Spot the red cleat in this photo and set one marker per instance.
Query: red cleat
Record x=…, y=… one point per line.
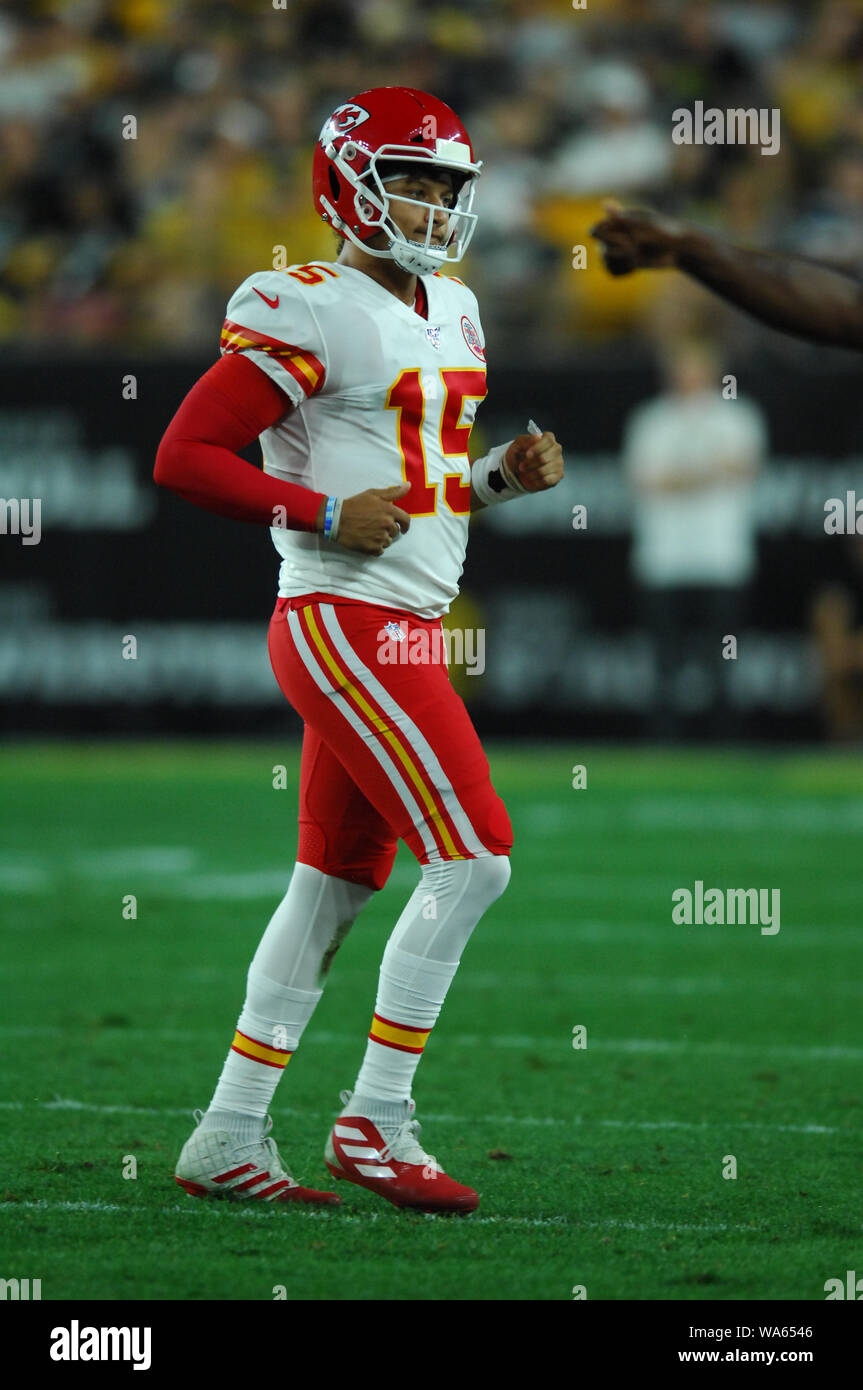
x=390, y=1161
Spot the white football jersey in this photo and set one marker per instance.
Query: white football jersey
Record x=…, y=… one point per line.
x=382, y=396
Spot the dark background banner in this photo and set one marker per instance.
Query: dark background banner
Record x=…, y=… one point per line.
x=565, y=650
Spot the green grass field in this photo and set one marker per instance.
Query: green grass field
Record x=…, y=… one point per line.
x=600, y=1167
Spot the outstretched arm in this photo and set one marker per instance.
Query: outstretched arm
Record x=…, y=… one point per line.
x=786, y=292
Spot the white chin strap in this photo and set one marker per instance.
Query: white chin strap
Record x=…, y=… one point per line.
x=413, y=256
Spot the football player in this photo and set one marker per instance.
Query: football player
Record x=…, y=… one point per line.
x=784, y=291
x=362, y=377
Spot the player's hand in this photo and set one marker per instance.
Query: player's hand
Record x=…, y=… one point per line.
x=371, y=521
x=637, y=239
x=536, y=460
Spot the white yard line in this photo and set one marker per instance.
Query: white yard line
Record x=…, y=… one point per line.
x=434, y=1117
x=516, y=1041
x=250, y=1211
x=585, y=985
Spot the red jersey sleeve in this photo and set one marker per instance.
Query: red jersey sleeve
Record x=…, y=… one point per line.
x=226, y=410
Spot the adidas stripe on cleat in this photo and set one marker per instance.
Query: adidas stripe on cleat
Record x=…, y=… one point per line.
x=389, y=1160
x=214, y=1164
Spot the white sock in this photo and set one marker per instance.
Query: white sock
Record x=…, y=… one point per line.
x=285, y=982
x=411, y=991
x=439, y=917
x=308, y=927
x=268, y=1033
x=245, y=1128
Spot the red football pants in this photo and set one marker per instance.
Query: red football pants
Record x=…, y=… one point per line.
x=389, y=750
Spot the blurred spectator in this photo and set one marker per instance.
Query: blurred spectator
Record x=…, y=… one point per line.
x=836, y=622
x=691, y=457
x=623, y=147
x=509, y=255
x=818, y=78
x=141, y=241
x=839, y=644
x=758, y=28
x=831, y=227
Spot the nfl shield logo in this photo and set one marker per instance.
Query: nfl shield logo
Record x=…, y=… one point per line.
x=394, y=631
x=433, y=335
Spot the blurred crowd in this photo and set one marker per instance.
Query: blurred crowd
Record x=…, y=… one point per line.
x=106, y=239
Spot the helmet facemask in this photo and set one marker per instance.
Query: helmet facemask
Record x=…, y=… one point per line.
x=372, y=206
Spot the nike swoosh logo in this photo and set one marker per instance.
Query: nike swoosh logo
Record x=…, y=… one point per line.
x=273, y=303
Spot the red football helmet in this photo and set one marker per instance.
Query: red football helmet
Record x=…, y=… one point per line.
x=370, y=140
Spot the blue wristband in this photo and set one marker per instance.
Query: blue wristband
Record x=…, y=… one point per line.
x=329, y=515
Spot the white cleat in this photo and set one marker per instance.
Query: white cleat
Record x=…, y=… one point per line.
x=214, y=1164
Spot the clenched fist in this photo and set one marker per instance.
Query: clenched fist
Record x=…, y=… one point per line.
x=637, y=239
x=536, y=460
x=370, y=521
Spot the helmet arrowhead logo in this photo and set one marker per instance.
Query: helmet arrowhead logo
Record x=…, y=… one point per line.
x=343, y=119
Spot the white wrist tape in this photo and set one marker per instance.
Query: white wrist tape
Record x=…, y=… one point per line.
x=492, y=481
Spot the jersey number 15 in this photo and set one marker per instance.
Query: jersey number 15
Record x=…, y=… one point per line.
x=406, y=396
